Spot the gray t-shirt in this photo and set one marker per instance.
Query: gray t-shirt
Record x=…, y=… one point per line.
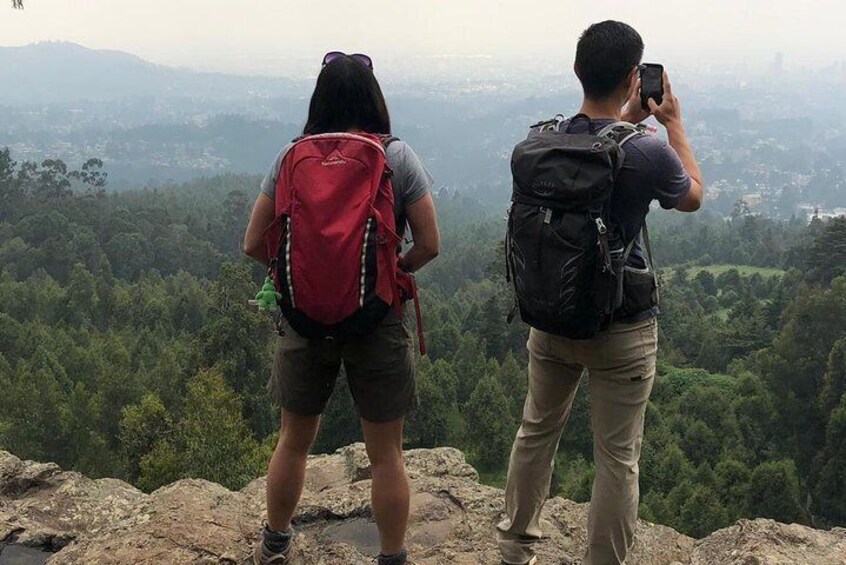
x=411, y=180
x=651, y=171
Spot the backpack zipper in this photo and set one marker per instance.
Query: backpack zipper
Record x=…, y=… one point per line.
x=288, y=270
x=603, y=244
x=545, y=219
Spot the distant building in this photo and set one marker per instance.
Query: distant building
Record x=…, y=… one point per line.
x=833, y=213
x=778, y=63
x=753, y=199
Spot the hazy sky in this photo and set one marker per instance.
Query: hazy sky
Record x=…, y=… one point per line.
x=278, y=35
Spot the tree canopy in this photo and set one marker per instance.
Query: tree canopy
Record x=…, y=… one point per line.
x=128, y=349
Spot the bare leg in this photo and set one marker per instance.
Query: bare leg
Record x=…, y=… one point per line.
x=286, y=473
x=390, y=492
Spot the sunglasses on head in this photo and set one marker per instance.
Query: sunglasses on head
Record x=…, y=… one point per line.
x=360, y=57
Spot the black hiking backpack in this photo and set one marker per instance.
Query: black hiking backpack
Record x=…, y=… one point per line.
x=564, y=254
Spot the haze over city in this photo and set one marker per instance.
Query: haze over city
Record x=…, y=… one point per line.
x=284, y=38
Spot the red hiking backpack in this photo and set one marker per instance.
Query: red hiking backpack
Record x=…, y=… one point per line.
x=333, y=245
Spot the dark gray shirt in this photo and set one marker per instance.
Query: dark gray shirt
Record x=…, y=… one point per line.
x=411, y=180
x=651, y=171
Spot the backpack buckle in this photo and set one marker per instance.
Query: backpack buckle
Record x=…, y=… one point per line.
x=600, y=226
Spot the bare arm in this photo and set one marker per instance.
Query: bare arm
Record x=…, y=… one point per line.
x=423, y=221
x=262, y=216
x=669, y=115
x=678, y=141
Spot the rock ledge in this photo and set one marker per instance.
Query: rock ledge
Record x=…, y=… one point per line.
x=73, y=520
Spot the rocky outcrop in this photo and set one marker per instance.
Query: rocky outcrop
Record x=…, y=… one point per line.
x=66, y=518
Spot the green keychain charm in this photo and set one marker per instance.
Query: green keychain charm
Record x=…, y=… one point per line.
x=267, y=298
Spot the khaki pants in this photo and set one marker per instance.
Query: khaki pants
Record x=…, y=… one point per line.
x=621, y=365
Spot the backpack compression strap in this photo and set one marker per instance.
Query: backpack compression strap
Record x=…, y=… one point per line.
x=621, y=132
x=651, y=260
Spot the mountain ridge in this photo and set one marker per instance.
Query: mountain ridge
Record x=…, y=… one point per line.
x=64, y=517
x=63, y=71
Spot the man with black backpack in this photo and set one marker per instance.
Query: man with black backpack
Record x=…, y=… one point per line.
x=578, y=255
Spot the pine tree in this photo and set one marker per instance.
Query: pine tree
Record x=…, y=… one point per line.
x=732, y=480
x=489, y=429
x=470, y=364
x=702, y=513
x=210, y=441
x=339, y=425
x=774, y=492
x=29, y=408
x=826, y=258
x=436, y=420
x=84, y=445
x=830, y=490
x=141, y=426
x=515, y=384
x=235, y=342
x=834, y=381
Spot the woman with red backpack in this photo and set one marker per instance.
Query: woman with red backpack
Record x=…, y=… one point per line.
x=329, y=224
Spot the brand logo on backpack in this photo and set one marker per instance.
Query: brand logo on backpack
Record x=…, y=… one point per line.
x=334, y=159
x=544, y=188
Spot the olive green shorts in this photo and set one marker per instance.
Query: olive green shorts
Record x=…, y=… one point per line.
x=379, y=369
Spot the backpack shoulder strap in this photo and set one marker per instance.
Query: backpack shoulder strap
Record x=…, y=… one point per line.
x=388, y=139
x=621, y=132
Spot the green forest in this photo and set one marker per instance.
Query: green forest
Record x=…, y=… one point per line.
x=128, y=349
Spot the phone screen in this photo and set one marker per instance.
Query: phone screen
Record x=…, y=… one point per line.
x=651, y=84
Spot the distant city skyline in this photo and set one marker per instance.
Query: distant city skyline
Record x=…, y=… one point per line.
x=285, y=37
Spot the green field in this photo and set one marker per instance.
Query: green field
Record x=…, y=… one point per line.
x=744, y=270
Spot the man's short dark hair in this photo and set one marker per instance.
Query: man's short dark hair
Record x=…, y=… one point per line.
x=606, y=53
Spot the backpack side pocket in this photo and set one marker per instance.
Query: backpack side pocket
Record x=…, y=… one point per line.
x=640, y=292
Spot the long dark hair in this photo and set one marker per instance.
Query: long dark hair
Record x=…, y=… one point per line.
x=347, y=96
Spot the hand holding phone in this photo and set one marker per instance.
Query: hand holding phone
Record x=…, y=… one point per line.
x=651, y=84
x=668, y=111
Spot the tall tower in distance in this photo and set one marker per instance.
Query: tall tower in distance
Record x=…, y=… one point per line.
x=778, y=63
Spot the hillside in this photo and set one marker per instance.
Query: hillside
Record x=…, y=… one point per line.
x=63, y=72
x=45, y=510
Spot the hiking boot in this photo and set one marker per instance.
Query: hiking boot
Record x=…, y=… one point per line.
x=400, y=558
x=269, y=550
x=261, y=556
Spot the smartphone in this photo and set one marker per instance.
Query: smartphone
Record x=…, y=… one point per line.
x=651, y=84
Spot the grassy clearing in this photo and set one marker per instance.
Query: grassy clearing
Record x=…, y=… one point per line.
x=744, y=270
